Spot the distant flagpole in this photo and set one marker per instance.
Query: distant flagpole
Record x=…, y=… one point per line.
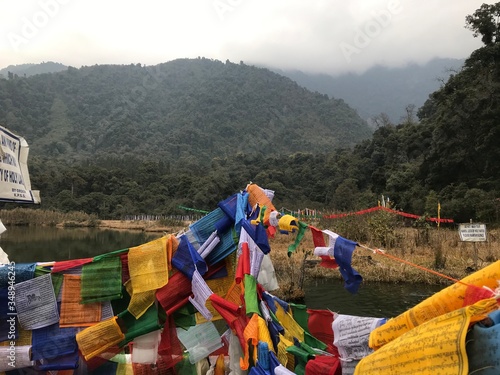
x=439, y=213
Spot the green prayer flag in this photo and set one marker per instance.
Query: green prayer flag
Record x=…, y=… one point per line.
x=147, y=323
x=300, y=315
x=184, y=317
x=102, y=280
x=300, y=236
x=251, y=300
x=57, y=278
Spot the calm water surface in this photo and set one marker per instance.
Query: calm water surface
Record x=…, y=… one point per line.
x=37, y=244
x=380, y=300
x=45, y=244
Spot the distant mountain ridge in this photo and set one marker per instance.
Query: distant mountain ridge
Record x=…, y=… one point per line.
x=27, y=70
x=380, y=89
x=180, y=111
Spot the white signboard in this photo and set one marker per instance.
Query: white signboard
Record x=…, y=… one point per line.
x=472, y=232
x=15, y=185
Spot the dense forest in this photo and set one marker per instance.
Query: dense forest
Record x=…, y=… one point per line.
x=208, y=128
x=182, y=111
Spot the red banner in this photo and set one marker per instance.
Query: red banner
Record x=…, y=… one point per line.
x=377, y=208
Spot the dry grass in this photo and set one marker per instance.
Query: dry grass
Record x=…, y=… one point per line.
x=30, y=216
x=442, y=251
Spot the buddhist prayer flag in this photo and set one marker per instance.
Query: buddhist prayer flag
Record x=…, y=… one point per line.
x=343, y=256
x=101, y=280
x=147, y=265
x=435, y=347
x=444, y=301
x=73, y=312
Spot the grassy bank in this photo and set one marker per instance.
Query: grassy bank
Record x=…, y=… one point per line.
x=29, y=216
x=410, y=258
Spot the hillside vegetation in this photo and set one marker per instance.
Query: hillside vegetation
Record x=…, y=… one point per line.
x=173, y=112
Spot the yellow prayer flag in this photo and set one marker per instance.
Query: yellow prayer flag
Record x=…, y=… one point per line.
x=148, y=266
x=101, y=336
x=292, y=328
x=139, y=302
x=435, y=347
x=448, y=299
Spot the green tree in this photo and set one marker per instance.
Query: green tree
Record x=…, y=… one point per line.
x=485, y=23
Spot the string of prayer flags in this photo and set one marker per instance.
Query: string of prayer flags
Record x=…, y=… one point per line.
x=206, y=293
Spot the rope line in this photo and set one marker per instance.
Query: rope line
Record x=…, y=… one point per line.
x=382, y=252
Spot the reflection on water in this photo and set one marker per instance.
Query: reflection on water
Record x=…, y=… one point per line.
x=43, y=244
x=380, y=300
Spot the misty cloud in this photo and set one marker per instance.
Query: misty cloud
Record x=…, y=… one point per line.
x=317, y=36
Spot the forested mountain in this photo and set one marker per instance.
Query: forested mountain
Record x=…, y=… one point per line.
x=182, y=111
x=121, y=140
x=382, y=89
x=26, y=70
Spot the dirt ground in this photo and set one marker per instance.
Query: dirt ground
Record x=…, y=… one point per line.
x=146, y=226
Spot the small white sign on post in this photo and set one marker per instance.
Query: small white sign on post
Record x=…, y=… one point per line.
x=472, y=232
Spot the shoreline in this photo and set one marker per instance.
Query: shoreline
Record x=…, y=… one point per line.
x=142, y=225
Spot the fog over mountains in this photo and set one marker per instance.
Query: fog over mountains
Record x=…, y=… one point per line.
x=380, y=89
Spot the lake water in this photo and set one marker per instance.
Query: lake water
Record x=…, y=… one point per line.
x=41, y=244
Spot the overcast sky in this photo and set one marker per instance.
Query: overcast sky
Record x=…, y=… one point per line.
x=327, y=36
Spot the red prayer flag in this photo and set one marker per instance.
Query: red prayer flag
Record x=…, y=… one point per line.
x=64, y=265
x=320, y=326
x=318, y=237
x=328, y=262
